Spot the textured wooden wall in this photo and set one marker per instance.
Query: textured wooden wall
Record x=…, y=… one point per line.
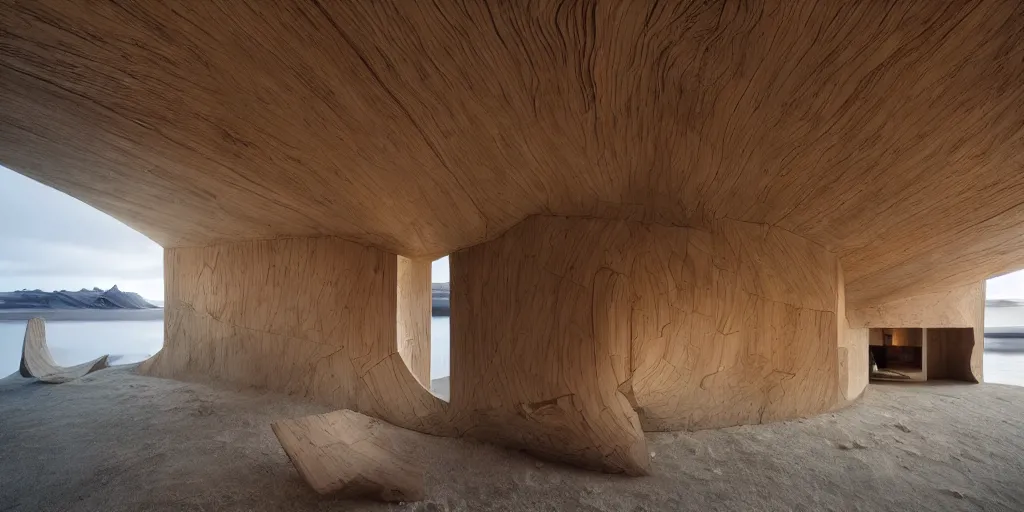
x=563, y=329
x=414, y=309
x=311, y=317
x=853, y=361
x=757, y=339
x=695, y=329
x=569, y=338
x=854, y=365
x=541, y=340
x=957, y=307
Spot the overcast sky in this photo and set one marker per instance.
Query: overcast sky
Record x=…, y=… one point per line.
x=1009, y=286
x=52, y=241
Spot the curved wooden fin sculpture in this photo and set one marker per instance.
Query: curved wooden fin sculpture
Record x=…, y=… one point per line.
x=37, y=362
x=395, y=395
x=348, y=454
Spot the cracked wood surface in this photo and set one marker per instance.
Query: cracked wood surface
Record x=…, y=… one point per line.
x=564, y=329
x=853, y=359
x=737, y=173
x=414, y=310
x=312, y=317
x=569, y=336
x=890, y=134
x=347, y=454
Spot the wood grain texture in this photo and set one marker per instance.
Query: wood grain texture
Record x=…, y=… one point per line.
x=949, y=354
x=890, y=134
x=311, y=317
x=347, y=454
x=755, y=342
x=320, y=318
x=569, y=338
x=854, y=367
x=38, y=363
x=957, y=307
x=540, y=343
x=978, y=350
x=739, y=175
x=853, y=360
x=563, y=330
x=693, y=329
x=414, y=310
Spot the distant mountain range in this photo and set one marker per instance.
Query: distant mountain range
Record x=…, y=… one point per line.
x=439, y=305
x=82, y=299
x=114, y=298
x=117, y=299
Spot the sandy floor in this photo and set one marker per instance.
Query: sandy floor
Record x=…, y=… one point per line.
x=118, y=441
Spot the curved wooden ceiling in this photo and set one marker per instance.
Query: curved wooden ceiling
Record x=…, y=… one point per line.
x=890, y=132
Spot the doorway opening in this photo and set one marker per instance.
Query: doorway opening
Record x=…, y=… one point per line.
x=897, y=354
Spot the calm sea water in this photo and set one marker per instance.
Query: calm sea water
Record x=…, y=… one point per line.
x=77, y=342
